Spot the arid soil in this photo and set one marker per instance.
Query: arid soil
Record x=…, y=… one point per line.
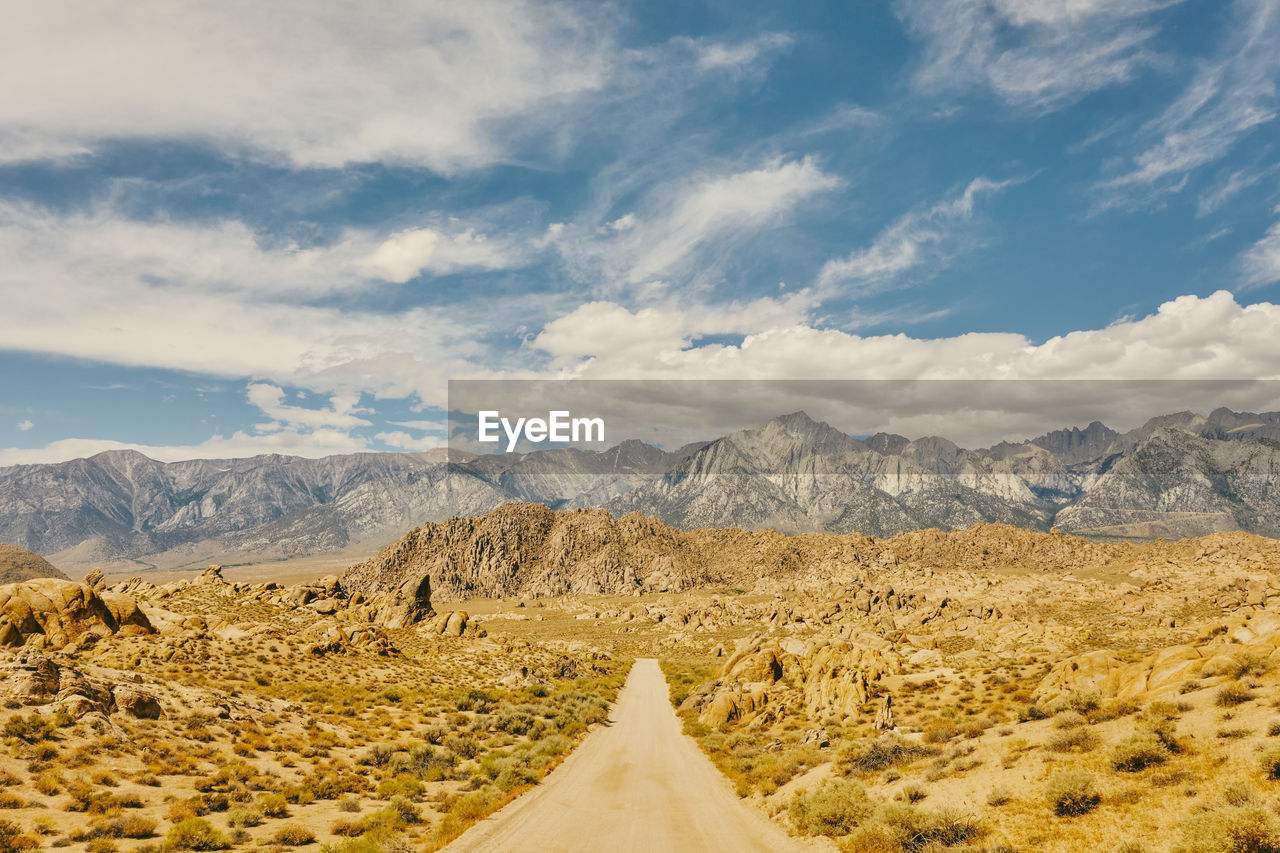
x=990, y=689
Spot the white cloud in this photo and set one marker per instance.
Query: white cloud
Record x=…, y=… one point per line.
x=316, y=82
x=409, y=253
x=1041, y=54
x=1190, y=337
x=339, y=415
x=315, y=443
x=682, y=217
x=922, y=238
x=25, y=425
x=1226, y=100
x=740, y=56
x=212, y=300
x=403, y=441
x=1261, y=263
x=602, y=335
x=1226, y=189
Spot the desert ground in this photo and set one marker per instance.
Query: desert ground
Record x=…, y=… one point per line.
x=982, y=690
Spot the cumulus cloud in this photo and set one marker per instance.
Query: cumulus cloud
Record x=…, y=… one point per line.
x=339, y=415
x=25, y=425
x=1039, y=54
x=219, y=299
x=401, y=440
x=313, y=82
x=1191, y=337
x=923, y=237
x=1225, y=100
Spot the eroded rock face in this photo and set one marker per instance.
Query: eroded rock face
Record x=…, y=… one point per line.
x=34, y=678
x=828, y=677
x=1163, y=672
x=455, y=623
x=330, y=637
x=57, y=612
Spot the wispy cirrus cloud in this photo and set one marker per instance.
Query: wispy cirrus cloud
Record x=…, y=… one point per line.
x=1037, y=54
x=924, y=238
x=1227, y=98
x=678, y=220
x=1260, y=264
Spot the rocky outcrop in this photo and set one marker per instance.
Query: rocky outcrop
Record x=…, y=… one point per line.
x=55, y=613
x=330, y=637
x=826, y=677
x=454, y=623
x=34, y=678
x=1161, y=674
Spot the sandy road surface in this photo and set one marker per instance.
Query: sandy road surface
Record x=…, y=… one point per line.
x=637, y=785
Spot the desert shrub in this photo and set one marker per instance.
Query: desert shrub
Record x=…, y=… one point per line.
x=132, y=826
x=1244, y=665
x=1270, y=762
x=516, y=722
x=12, y=838
x=940, y=731
x=48, y=781
x=274, y=805
x=1239, y=794
x=403, y=785
x=463, y=746
x=378, y=755
x=32, y=729
x=1247, y=829
x=883, y=753
x=475, y=700
x=101, y=844
x=914, y=793
x=835, y=808
x=915, y=829
x=1072, y=792
x=423, y=761
x=195, y=834
x=1074, y=740
x=1069, y=719
x=354, y=845
x=1232, y=694
x=1138, y=752
x=1082, y=703
x=293, y=835
x=243, y=817
x=998, y=796
x=464, y=811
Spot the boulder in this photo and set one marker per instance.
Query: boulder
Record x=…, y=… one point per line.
x=136, y=702
x=57, y=612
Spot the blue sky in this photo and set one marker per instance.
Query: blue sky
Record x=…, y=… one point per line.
x=229, y=229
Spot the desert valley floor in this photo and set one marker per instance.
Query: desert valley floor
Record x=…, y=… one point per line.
x=990, y=689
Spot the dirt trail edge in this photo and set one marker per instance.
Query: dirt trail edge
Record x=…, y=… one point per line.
x=638, y=784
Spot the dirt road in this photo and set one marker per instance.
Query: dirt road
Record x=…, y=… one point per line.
x=637, y=785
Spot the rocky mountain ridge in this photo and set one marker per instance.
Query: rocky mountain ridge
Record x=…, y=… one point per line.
x=1178, y=475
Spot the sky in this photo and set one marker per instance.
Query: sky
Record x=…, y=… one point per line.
x=238, y=228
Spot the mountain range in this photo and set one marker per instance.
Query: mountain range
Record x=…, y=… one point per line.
x=1177, y=475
